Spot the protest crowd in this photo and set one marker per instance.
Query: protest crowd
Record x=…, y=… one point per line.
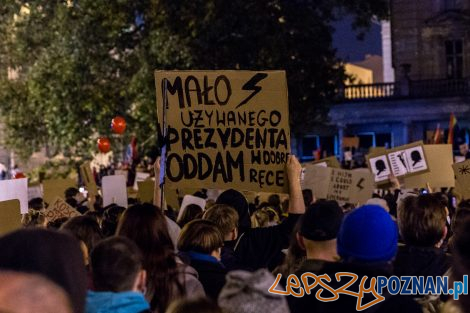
x=228, y=250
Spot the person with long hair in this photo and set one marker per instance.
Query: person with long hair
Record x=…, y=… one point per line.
x=168, y=277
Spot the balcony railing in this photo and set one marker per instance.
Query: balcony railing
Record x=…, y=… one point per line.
x=407, y=89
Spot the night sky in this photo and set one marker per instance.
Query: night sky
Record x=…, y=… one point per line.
x=349, y=48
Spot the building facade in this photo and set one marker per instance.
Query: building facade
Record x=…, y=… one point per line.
x=427, y=45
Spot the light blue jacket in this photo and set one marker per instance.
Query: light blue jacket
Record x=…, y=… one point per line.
x=115, y=302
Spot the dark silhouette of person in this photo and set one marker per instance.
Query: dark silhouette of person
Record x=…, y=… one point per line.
x=415, y=157
x=380, y=166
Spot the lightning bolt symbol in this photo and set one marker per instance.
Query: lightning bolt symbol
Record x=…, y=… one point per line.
x=251, y=85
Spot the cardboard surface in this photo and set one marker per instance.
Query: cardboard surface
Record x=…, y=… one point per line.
x=15, y=189
x=56, y=188
x=58, y=209
x=338, y=184
x=88, y=178
x=10, y=216
x=402, y=161
x=140, y=177
x=114, y=190
x=440, y=160
x=227, y=129
x=462, y=178
x=331, y=161
x=145, y=192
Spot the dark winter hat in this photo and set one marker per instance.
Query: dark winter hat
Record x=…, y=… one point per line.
x=237, y=201
x=368, y=234
x=322, y=221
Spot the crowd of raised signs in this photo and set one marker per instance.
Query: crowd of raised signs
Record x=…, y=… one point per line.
x=236, y=256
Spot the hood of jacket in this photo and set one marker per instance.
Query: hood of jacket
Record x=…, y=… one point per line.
x=116, y=302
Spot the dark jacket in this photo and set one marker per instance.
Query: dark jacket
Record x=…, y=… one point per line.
x=262, y=247
x=211, y=272
x=229, y=259
x=419, y=261
x=347, y=303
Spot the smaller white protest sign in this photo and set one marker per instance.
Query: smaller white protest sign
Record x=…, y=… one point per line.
x=15, y=189
x=187, y=200
x=380, y=168
x=114, y=190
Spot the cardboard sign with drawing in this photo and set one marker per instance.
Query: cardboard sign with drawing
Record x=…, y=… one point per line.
x=337, y=184
x=225, y=129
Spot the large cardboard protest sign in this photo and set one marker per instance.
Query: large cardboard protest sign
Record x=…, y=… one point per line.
x=402, y=161
x=140, y=177
x=15, y=189
x=58, y=209
x=145, y=192
x=114, y=190
x=338, y=184
x=10, y=216
x=56, y=188
x=440, y=174
x=462, y=178
x=88, y=178
x=226, y=129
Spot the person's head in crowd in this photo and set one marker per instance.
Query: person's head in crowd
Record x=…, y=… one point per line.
x=55, y=255
x=295, y=254
x=34, y=219
x=422, y=220
x=57, y=223
x=368, y=235
x=237, y=201
x=461, y=261
x=74, y=197
x=198, y=305
x=226, y=219
x=264, y=217
x=97, y=216
x=308, y=197
x=119, y=280
x=319, y=228
x=190, y=212
x=36, y=204
x=111, y=218
x=457, y=225
x=26, y=293
x=85, y=229
x=146, y=225
x=116, y=265
x=246, y=292
x=380, y=202
x=201, y=236
x=274, y=202
x=463, y=148
x=98, y=204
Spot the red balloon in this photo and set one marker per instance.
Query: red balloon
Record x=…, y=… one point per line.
x=19, y=175
x=104, y=145
x=118, y=124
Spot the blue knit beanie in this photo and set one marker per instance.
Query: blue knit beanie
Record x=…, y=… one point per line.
x=368, y=234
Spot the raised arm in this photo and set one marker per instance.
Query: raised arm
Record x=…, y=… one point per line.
x=294, y=172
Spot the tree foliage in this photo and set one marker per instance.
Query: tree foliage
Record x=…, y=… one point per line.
x=82, y=62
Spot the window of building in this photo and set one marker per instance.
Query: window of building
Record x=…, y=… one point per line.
x=454, y=58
